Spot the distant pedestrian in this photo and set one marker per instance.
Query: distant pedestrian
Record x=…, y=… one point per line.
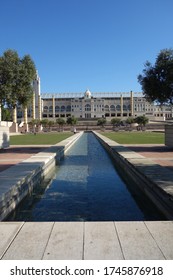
x=74, y=130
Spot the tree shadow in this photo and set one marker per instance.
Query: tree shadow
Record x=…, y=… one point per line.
x=151, y=149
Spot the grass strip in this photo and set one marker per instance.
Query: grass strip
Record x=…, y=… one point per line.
x=143, y=137
x=39, y=138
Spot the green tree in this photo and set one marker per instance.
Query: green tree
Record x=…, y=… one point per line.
x=44, y=123
x=157, y=79
x=50, y=124
x=141, y=120
x=130, y=120
x=72, y=121
x=116, y=122
x=61, y=122
x=34, y=123
x=6, y=114
x=101, y=122
x=27, y=74
x=9, y=66
x=16, y=76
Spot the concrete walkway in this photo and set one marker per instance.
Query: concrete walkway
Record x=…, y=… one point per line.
x=86, y=240
x=16, y=154
x=160, y=154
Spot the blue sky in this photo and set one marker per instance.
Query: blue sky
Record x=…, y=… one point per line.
x=78, y=44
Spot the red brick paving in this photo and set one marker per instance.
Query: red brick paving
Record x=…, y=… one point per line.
x=160, y=154
x=14, y=155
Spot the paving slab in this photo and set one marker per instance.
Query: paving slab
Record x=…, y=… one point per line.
x=30, y=243
x=137, y=242
x=101, y=242
x=8, y=231
x=162, y=232
x=65, y=242
x=86, y=240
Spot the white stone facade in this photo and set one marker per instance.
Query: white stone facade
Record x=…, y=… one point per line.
x=90, y=105
x=98, y=105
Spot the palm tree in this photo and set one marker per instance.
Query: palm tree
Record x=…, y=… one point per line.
x=115, y=122
x=44, y=123
x=34, y=123
x=50, y=124
x=72, y=121
x=101, y=122
x=142, y=121
x=61, y=122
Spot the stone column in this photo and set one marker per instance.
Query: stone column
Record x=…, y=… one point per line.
x=121, y=101
x=25, y=126
x=131, y=103
x=53, y=105
x=15, y=115
x=14, y=127
x=0, y=114
x=39, y=108
x=33, y=106
x=25, y=115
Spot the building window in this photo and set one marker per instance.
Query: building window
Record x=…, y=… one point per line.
x=124, y=108
x=118, y=108
x=45, y=109
x=62, y=108
x=57, y=108
x=106, y=108
x=87, y=107
x=68, y=108
x=50, y=109
x=112, y=107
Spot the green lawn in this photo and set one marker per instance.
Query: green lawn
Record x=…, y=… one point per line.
x=136, y=137
x=39, y=138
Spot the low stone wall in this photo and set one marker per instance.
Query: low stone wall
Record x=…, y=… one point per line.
x=4, y=137
x=151, y=178
x=17, y=181
x=169, y=135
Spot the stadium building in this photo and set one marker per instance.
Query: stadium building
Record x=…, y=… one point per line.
x=90, y=106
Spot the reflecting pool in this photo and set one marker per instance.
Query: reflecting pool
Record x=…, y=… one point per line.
x=86, y=187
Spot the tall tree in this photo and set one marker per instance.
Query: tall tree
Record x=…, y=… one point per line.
x=9, y=64
x=16, y=76
x=27, y=74
x=72, y=120
x=157, y=79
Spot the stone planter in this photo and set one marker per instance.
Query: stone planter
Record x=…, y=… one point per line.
x=4, y=137
x=169, y=135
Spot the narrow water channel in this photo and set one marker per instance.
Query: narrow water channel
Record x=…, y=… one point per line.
x=85, y=187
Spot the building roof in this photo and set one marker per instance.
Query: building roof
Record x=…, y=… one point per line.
x=93, y=94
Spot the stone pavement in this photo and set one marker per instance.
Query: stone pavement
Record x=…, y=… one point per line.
x=160, y=154
x=16, y=154
x=86, y=240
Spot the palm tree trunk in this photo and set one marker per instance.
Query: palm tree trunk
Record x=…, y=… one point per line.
x=25, y=115
x=15, y=114
x=0, y=114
